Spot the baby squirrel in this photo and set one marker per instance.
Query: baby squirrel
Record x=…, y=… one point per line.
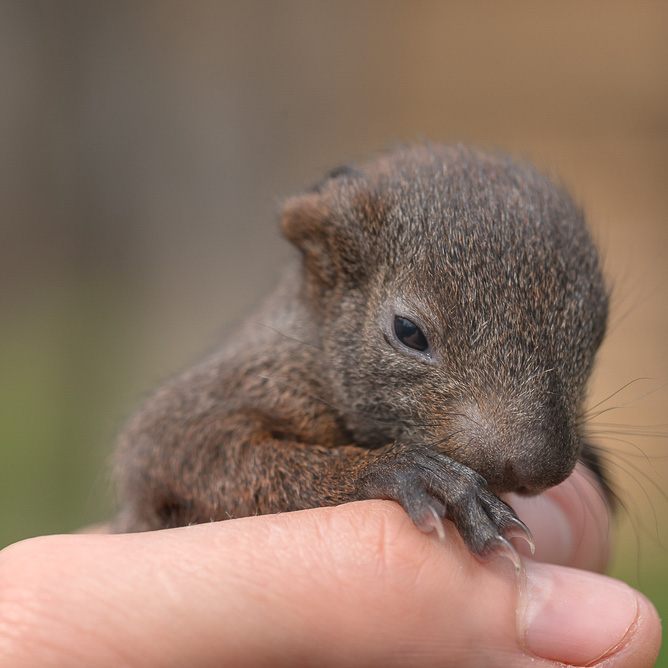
x=432, y=346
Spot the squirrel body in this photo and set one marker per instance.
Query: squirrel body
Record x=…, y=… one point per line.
x=431, y=346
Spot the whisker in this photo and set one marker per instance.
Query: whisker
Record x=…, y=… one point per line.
x=288, y=337
x=604, y=528
x=640, y=454
x=616, y=392
x=634, y=473
x=589, y=415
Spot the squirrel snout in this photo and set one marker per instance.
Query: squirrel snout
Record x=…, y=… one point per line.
x=514, y=454
x=530, y=473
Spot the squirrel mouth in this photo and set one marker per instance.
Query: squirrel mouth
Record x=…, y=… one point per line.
x=527, y=491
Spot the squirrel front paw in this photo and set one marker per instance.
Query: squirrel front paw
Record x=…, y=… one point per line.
x=432, y=487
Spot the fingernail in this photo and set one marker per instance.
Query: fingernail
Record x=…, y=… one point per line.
x=574, y=616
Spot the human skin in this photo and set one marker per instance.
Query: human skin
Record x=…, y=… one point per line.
x=354, y=585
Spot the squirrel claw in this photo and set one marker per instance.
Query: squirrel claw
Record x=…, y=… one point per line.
x=521, y=530
x=506, y=549
x=431, y=520
x=436, y=523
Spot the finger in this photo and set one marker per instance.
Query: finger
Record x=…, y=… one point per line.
x=354, y=585
x=570, y=522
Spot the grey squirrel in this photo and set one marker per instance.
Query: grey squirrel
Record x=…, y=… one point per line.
x=432, y=346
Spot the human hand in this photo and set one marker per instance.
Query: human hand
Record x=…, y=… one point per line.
x=347, y=586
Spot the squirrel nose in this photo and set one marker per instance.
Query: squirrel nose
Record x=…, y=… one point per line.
x=515, y=454
x=528, y=480
x=521, y=487
x=536, y=459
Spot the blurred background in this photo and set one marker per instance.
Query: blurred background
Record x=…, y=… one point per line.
x=145, y=149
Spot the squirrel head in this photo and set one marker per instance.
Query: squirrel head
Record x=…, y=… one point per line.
x=460, y=302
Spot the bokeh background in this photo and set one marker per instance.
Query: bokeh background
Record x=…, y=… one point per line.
x=145, y=148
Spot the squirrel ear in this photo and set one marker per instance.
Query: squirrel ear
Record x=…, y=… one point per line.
x=309, y=224
x=327, y=224
x=332, y=224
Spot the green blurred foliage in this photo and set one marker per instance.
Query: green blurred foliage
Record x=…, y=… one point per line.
x=65, y=376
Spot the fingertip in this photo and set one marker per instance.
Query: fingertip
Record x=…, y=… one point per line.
x=644, y=639
x=581, y=618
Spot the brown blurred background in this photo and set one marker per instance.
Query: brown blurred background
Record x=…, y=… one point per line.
x=145, y=147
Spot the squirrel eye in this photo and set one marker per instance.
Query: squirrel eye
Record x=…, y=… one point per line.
x=410, y=334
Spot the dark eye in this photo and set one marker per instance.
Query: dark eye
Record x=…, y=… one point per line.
x=410, y=334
